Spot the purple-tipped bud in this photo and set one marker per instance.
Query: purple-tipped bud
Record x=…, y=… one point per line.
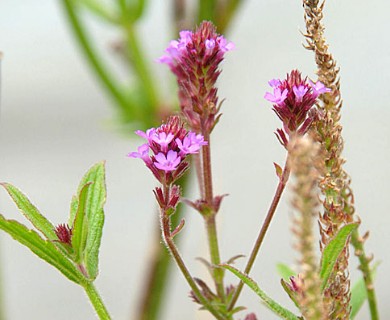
x=251, y=316
x=64, y=234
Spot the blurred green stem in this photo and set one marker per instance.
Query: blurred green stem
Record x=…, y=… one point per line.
x=96, y=64
x=2, y=306
x=206, y=10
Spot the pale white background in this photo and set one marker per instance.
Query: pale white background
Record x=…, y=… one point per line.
x=55, y=123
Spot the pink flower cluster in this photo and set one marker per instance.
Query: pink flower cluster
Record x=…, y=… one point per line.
x=195, y=59
x=169, y=144
x=293, y=99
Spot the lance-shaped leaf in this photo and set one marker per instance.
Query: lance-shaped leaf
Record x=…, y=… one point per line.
x=359, y=294
x=285, y=271
x=95, y=199
x=31, y=212
x=332, y=251
x=80, y=226
x=44, y=249
x=269, y=302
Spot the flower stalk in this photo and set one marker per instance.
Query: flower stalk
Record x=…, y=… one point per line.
x=96, y=301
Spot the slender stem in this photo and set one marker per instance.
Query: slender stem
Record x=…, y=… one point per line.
x=209, y=217
x=166, y=233
x=137, y=59
x=206, y=10
x=107, y=79
x=275, y=201
x=367, y=275
x=96, y=301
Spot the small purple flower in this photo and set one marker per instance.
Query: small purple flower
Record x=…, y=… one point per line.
x=148, y=135
x=318, y=88
x=143, y=153
x=163, y=139
x=191, y=143
x=274, y=83
x=224, y=45
x=299, y=92
x=169, y=162
x=210, y=45
x=278, y=97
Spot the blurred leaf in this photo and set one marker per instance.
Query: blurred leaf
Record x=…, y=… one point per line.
x=359, y=294
x=80, y=226
x=332, y=251
x=279, y=170
x=285, y=271
x=270, y=303
x=95, y=198
x=44, y=249
x=31, y=212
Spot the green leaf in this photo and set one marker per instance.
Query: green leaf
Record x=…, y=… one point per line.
x=332, y=251
x=44, y=249
x=100, y=10
x=359, y=294
x=270, y=303
x=95, y=199
x=31, y=212
x=80, y=226
x=285, y=271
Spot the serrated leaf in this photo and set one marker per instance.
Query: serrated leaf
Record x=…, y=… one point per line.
x=44, y=249
x=332, y=251
x=269, y=302
x=95, y=199
x=31, y=212
x=359, y=294
x=80, y=226
x=285, y=271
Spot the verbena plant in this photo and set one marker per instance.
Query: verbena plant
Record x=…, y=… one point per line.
x=310, y=133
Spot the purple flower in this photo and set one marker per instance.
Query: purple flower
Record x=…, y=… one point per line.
x=299, y=92
x=191, y=143
x=163, y=139
x=168, y=162
x=143, y=153
x=278, y=97
x=224, y=45
x=148, y=135
x=274, y=83
x=318, y=88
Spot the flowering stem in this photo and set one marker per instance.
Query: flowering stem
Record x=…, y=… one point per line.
x=275, y=201
x=166, y=233
x=96, y=301
x=211, y=228
x=367, y=275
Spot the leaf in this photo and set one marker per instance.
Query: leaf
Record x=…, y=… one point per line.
x=44, y=249
x=100, y=10
x=285, y=271
x=270, y=303
x=95, y=199
x=31, y=212
x=359, y=294
x=279, y=170
x=332, y=251
x=80, y=227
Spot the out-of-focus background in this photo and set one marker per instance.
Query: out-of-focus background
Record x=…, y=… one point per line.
x=55, y=123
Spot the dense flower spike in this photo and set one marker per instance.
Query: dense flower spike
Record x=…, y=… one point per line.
x=293, y=100
x=194, y=59
x=170, y=144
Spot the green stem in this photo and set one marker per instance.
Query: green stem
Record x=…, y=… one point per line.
x=206, y=10
x=96, y=301
x=136, y=58
x=271, y=211
x=209, y=216
x=357, y=243
x=166, y=233
x=101, y=71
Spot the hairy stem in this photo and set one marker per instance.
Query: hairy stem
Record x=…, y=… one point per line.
x=96, y=301
x=271, y=211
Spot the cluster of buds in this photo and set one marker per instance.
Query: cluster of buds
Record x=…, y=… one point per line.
x=170, y=144
x=194, y=59
x=64, y=234
x=293, y=99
